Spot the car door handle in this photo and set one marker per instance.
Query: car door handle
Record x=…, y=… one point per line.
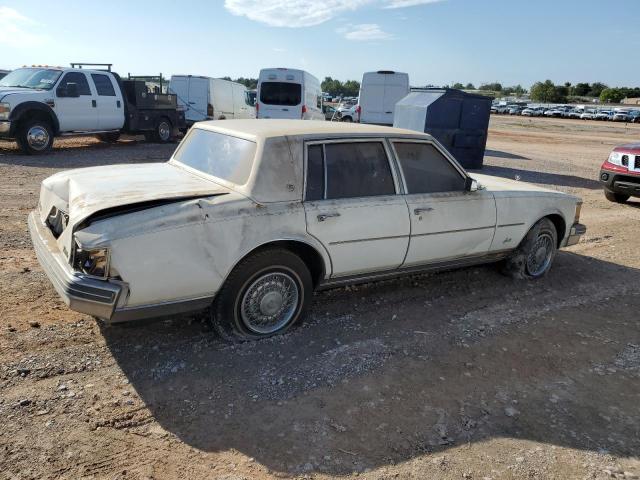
x=323, y=216
x=94, y=104
x=420, y=211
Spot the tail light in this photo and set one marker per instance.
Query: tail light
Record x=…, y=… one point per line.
x=358, y=111
x=209, y=110
x=304, y=110
x=257, y=109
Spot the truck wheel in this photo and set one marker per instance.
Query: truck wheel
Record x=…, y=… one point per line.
x=162, y=132
x=35, y=137
x=535, y=254
x=616, y=197
x=111, y=137
x=265, y=295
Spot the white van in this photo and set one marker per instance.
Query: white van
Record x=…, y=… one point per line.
x=288, y=93
x=379, y=93
x=207, y=98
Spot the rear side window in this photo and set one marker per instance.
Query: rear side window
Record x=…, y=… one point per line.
x=426, y=170
x=79, y=79
x=104, y=86
x=359, y=169
x=280, y=93
x=315, y=173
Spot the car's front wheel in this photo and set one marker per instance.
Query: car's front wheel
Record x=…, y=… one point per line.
x=35, y=137
x=535, y=254
x=265, y=294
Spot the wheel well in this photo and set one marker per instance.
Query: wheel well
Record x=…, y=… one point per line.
x=560, y=225
x=306, y=252
x=36, y=115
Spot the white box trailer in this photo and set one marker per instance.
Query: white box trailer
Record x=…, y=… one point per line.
x=379, y=93
x=288, y=93
x=206, y=98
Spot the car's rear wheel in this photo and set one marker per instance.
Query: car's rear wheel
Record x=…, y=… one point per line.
x=161, y=133
x=616, y=197
x=265, y=294
x=535, y=254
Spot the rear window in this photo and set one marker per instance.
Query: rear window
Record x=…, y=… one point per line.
x=223, y=156
x=280, y=93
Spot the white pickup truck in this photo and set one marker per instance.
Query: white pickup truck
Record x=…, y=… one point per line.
x=40, y=103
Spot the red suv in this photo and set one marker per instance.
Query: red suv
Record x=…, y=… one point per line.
x=620, y=173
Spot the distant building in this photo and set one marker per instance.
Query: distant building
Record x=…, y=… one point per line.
x=631, y=101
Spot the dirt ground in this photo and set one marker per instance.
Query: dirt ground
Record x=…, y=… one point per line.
x=462, y=374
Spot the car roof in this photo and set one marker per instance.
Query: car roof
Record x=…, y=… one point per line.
x=267, y=128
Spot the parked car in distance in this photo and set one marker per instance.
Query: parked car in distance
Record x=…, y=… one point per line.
x=205, y=98
x=348, y=113
x=620, y=116
x=288, y=93
x=620, y=173
x=574, y=113
x=634, y=116
x=379, y=93
x=602, y=115
x=330, y=113
x=249, y=217
x=40, y=103
x=516, y=110
x=533, y=112
x=588, y=114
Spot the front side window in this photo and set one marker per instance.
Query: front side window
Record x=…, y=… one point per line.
x=358, y=169
x=281, y=93
x=79, y=79
x=222, y=156
x=36, y=78
x=426, y=170
x=104, y=87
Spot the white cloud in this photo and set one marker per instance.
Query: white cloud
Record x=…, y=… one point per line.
x=17, y=31
x=306, y=13
x=408, y=3
x=364, y=32
x=291, y=13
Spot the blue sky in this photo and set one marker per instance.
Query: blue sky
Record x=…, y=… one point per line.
x=435, y=41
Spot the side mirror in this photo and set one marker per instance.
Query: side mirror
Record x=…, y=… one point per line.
x=471, y=185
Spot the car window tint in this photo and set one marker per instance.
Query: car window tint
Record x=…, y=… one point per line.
x=79, y=79
x=359, y=169
x=104, y=87
x=281, y=93
x=426, y=170
x=315, y=173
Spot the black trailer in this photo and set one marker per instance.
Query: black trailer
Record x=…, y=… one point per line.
x=458, y=120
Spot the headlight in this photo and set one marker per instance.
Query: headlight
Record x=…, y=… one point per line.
x=615, y=158
x=5, y=109
x=93, y=262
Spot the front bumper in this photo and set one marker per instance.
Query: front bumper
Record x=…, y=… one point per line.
x=80, y=292
x=5, y=128
x=577, y=230
x=624, y=182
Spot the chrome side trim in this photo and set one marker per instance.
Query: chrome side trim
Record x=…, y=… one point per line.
x=511, y=225
x=452, y=231
x=404, y=271
x=341, y=242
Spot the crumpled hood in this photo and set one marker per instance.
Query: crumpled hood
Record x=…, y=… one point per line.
x=4, y=91
x=85, y=191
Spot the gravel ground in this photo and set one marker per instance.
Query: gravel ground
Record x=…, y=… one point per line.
x=462, y=374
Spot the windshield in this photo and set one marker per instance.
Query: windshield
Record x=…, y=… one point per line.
x=281, y=93
x=37, y=78
x=223, y=156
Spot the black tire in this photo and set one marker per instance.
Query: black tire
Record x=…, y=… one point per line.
x=616, y=197
x=347, y=119
x=162, y=133
x=529, y=254
x=231, y=310
x=35, y=137
x=111, y=137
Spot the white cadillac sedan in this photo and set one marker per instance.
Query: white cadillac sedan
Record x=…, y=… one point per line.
x=248, y=217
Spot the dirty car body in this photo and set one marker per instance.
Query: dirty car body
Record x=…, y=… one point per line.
x=253, y=215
